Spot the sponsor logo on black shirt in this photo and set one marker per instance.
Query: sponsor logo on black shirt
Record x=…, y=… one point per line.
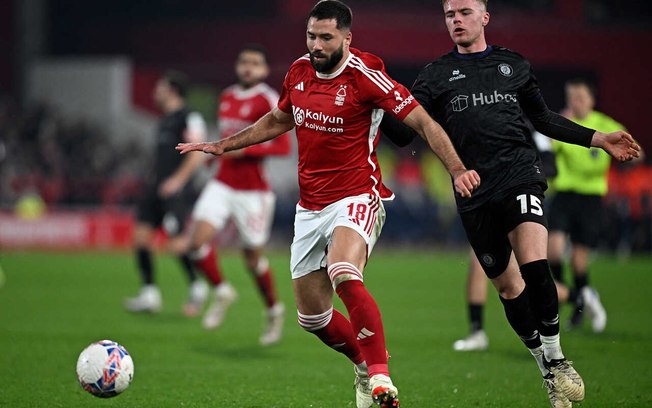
x=461, y=102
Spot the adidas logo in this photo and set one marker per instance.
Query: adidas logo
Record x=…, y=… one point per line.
x=551, y=322
x=364, y=333
x=299, y=86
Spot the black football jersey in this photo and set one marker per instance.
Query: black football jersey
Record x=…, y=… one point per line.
x=170, y=132
x=477, y=99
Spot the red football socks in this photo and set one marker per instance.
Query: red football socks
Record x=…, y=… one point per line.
x=208, y=265
x=337, y=333
x=367, y=323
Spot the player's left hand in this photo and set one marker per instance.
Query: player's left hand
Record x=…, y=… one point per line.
x=619, y=144
x=170, y=186
x=465, y=182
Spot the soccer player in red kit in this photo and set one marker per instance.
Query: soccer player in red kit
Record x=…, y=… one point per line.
x=335, y=97
x=240, y=191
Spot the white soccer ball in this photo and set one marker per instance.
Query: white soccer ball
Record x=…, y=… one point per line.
x=105, y=369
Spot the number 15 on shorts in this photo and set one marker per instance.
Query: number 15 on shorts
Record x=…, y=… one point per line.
x=531, y=205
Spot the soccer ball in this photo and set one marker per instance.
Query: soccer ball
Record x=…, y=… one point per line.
x=105, y=369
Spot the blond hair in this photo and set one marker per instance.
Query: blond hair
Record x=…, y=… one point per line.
x=484, y=3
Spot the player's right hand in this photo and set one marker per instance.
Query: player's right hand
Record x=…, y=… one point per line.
x=465, y=182
x=206, y=147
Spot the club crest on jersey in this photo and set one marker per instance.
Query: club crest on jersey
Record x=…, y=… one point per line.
x=340, y=96
x=456, y=75
x=245, y=110
x=505, y=70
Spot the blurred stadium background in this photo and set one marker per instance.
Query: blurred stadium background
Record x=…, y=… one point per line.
x=76, y=116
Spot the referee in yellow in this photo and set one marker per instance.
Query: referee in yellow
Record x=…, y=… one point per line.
x=576, y=209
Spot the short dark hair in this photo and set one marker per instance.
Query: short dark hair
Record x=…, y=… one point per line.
x=582, y=82
x=254, y=47
x=178, y=81
x=333, y=9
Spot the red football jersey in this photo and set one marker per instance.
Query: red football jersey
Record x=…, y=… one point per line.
x=238, y=109
x=337, y=118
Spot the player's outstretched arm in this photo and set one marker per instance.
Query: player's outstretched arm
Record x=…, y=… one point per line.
x=271, y=125
x=465, y=181
x=396, y=131
x=619, y=144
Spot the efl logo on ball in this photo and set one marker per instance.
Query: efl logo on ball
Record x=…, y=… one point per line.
x=105, y=369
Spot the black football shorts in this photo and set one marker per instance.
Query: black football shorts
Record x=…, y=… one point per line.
x=578, y=215
x=487, y=226
x=170, y=213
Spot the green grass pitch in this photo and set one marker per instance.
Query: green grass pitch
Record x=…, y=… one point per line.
x=54, y=304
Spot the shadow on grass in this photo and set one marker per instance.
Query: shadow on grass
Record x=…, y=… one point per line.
x=241, y=352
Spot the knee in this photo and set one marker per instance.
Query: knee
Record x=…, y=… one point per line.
x=510, y=289
x=340, y=272
x=257, y=265
x=198, y=251
x=510, y=283
x=178, y=245
x=142, y=236
x=195, y=243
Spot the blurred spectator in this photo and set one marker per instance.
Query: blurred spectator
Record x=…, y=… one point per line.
x=68, y=162
x=627, y=222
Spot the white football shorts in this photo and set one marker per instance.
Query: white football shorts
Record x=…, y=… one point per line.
x=313, y=230
x=252, y=211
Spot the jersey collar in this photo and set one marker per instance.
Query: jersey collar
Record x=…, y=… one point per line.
x=241, y=93
x=473, y=55
x=336, y=73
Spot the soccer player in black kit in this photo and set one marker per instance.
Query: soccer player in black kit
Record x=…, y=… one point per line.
x=167, y=198
x=480, y=94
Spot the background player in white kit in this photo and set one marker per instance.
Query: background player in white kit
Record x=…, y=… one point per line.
x=240, y=191
x=335, y=96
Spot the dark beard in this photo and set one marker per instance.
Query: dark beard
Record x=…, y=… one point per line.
x=330, y=63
